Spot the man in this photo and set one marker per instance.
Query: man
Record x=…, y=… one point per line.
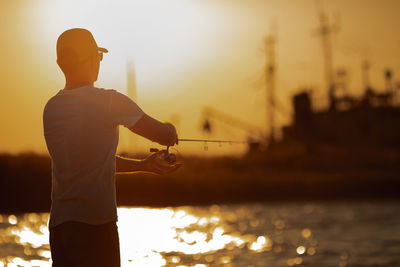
x=81, y=131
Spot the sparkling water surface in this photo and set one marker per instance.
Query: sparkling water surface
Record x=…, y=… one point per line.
x=266, y=234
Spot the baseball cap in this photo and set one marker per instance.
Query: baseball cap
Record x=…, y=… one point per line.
x=75, y=45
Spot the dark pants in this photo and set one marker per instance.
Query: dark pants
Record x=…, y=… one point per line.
x=80, y=244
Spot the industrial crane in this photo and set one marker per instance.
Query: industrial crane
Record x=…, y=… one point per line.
x=254, y=134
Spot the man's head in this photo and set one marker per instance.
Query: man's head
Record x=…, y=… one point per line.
x=78, y=55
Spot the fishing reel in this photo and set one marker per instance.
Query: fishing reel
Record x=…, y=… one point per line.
x=167, y=157
x=170, y=158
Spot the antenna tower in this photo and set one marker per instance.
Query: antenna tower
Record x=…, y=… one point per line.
x=324, y=31
x=270, y=69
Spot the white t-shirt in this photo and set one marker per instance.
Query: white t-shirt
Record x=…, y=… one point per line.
x=81, y=132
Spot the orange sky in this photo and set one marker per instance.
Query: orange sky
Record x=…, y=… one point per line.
x=187, y=54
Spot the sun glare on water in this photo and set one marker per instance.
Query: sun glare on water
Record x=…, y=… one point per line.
x=176, y=231
x=148, y=237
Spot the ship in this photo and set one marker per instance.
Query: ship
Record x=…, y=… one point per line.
x=371, y=120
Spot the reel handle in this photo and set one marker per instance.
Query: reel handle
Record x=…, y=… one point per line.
x=170, y=158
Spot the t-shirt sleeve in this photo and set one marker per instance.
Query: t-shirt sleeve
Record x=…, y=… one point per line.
x=124, y=110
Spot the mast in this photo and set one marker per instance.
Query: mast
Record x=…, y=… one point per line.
x=324, y=31
x=270, y=68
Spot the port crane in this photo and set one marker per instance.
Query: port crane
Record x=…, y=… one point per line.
x=255, y=135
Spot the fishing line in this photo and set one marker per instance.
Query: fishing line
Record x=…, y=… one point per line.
x=211, y=141
x=206, y=141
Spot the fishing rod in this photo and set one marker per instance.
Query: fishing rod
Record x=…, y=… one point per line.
x=211, y=141
x=171, y=157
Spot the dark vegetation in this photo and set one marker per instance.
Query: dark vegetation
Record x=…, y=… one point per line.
x=294, y=173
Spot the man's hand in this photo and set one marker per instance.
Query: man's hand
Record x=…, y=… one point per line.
x=172, y=128
x=155, y=164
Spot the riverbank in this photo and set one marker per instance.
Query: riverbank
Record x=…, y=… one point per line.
x=25, y=180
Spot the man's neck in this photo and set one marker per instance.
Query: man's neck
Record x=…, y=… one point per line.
x=70, y=85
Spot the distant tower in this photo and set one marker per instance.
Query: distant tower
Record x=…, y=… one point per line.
x=129, y=140
x=131, y=80
x=324, y=31
x=270, y=68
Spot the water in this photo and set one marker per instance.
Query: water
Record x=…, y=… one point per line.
x=275, y=234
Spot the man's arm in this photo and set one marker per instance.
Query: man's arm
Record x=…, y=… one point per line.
x=126, y=112
x=124, y=165
x=151, y=164
x=156, y=131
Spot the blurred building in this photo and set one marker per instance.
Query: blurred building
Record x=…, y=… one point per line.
x=371, y=120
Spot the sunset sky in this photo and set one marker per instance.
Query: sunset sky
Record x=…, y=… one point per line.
x=189, y=54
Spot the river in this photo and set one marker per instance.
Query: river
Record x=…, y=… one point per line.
x=259, y=234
